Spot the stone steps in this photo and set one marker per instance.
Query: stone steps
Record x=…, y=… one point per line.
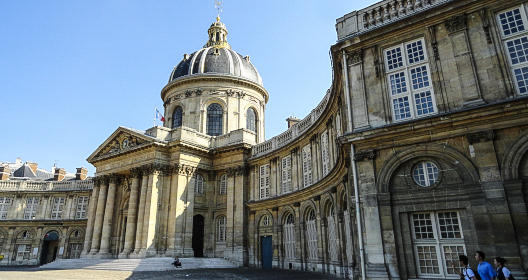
x=147, y=264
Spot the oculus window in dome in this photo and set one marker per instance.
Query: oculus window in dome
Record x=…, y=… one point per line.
x=216, y=58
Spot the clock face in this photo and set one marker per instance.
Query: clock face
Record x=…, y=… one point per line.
x=124, y=144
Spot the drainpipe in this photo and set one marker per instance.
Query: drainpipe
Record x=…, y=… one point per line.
x=354, y=170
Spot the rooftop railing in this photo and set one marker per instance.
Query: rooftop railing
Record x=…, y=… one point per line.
x=380, y=14
x=293, y=132
x=76, y=185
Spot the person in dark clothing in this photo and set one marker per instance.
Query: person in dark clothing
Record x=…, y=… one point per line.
x=467, y=273
x=503, y=273
x=177, y=262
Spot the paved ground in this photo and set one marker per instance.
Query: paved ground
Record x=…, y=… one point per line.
x=191, y=274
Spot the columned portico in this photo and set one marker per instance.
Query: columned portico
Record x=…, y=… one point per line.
x=98, y=219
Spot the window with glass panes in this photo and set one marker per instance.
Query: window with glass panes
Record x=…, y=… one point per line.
x=286, y=177
x=198, y=183
x=264, y=181
x=5, y=203
x=31, y=207
x=307, y=165
x=23, y=252
x=221, y=229
x=74, y=250
x=57, y=207
x=214, y=119
x=311, y=234
x=82, y=206
x=438, y=241
x=289, y=237
x=514, y=33
x=223, y=185
x=325, y=157
x=409, y=80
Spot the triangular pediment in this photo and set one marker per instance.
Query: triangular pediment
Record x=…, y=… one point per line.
x=122, y=140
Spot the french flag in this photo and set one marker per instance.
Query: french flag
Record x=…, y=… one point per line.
x=159, y=116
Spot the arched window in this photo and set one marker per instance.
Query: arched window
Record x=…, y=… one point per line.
x=331, y=233
x=221, y=229
x=198, y=184
x=251, y=120
x=223, y=185
x=311, y=234
x=289, y=237
x=214, y=119
x=177, y=117
x=265, y=221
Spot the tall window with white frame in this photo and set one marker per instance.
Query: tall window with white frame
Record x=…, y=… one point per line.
x=332, y=234
x=221, y=229
x=198, y=183
x=264, y=183
x=222, y=189
x=438, y=241
x=311, y=234
x=30, y=210
x=286, y=174
x=57, y=207
x=325, y=156
x=5, y=203
x=409, y=80
x=82, y=206
x=289, y=237
x=514, y=34
x=307, y=165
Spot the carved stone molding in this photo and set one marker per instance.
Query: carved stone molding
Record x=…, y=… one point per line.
x=329, y=122
x=363, y=155
x=183, y=169
x=481, y=136
x=486, y=24
x=314, y=138
x=275, y=209
x=355, y=57
x=238, y=170
x=333, y=190
x=296, y=204
x=295, y=150
x=434, y=43
x=317, y=198
x=456, y=23
x=275, y=159
x=136, y=172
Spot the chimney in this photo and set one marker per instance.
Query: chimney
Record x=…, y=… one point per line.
x=60, y=173
x=33, y=166
x=81, y=174
x=4, y=172
x=292, y=120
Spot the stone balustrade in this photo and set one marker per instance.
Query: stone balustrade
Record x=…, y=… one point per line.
x=380, y=14
x=77, y=185
x=292, y=133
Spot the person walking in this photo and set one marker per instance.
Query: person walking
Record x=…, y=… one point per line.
x=467, y=273
x=485, y=270
x=503, y=273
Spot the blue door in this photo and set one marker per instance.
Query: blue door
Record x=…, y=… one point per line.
x=266, y=252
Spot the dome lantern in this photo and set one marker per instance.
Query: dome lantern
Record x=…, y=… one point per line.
x=217, y=35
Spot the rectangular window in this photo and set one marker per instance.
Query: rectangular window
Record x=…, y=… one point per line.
x=23, y=252
x=325, y=157
x=307, y=165
x=438, y=242
x=286, y=177
x=409, y=80
x=31, y=208
x=5, y=203
x=264, y=181
x=512, y=24
x=75, y=250
x=82, y=206
x=57, y=207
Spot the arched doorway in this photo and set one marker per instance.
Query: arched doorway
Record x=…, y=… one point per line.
x=198, y=235
x=50, y=246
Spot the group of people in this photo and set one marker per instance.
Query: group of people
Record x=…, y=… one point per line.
x=484, y=270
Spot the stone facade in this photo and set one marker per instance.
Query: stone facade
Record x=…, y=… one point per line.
x=415, y=155
x=42, y=215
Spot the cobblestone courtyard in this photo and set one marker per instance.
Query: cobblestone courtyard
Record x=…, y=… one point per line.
x=223, y=273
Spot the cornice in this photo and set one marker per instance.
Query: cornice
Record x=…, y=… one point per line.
x=209, y=77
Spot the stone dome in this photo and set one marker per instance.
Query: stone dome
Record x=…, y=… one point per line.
x=216, y=58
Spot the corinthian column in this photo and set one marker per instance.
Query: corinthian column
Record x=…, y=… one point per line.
x=91, y=218
x=132, y=213
x=141, y=212
x=104, y=251
x=98, y=221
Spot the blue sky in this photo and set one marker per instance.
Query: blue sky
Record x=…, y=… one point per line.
x=71, y=72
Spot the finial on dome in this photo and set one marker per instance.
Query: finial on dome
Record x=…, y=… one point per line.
x=217, y=35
